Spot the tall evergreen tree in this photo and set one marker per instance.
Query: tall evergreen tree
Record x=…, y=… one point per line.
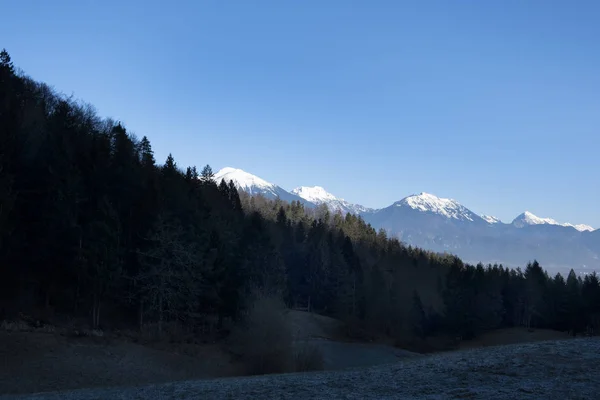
x=207, y=175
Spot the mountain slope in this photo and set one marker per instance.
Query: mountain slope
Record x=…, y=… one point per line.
x=428, y=221
x=318, y=195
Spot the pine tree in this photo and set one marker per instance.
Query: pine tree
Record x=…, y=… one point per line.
x=574, y=304
x=207, y=175
x=559, y=305
x=418, y=320
x=146, y=153
x=590, y=296
x=169, y=283
x=234, y=198
x=6, y=62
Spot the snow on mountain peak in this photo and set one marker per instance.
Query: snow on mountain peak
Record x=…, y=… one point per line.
x=580, y=227
x=528, y=218
x=315, y=194
x=243, y=180
x=430, y=203
x=318, y=195
x=490, y=219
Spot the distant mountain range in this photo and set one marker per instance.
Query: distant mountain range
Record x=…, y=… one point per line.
x=445, y=225
x=253, y=185
x=317, y=195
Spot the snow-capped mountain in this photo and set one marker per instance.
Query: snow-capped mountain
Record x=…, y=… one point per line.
x=315, y=194
x=448, y=208
x=444, y=225
x=253, y=185
x=491, y=219
x=318, y=195
x=527, y=218
x=580, y=227
x=249, y=183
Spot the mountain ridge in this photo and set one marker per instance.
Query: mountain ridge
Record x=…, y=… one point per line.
x=318, y=195
x=422, y=201
x=253, y=185
x=445, y=225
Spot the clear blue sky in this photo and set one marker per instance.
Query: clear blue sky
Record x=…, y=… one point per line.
x=493, y=103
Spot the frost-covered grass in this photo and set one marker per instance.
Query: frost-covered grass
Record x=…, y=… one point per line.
x=544, y=370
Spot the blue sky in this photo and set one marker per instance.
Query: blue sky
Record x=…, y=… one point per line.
x=493, y=103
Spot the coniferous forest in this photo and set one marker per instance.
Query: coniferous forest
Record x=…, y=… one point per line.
x=93, y=227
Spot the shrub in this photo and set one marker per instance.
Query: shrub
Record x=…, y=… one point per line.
x=15, y=326
x=23, y=326
x=308, y=357
x=263, y=340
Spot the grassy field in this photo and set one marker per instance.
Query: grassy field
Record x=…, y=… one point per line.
x=33, y=362
x=565, y=369
x=38, y=362
x=513, y=336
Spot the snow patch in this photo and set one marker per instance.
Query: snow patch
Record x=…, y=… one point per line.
x=315, y=194
x=318, y=195
x=490, y=219
x=430, y=203
x=580, y=227
x=249, y=183
x=528, y=218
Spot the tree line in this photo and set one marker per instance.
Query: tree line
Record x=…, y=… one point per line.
x=92, y=226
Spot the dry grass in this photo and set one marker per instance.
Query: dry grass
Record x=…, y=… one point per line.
x=46, y=358
x=554, y=370
x=430, y=344
x=513, y=336
x=269, y=338
x=308, y=357
x=35, y=361
x=263, y=340
x=306, y=325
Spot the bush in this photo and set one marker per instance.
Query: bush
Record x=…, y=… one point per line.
x=24, y=326
x=263, y=340
x=15, y=326
x=308, y=357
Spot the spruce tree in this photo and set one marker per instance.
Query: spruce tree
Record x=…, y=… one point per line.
x=207, y=175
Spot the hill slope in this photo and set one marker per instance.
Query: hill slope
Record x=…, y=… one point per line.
x=544, y=370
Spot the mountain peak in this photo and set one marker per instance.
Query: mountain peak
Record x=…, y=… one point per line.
x=247, y=182
x=242, y=179
x=428, y=202
x=315, y=194
x=529, y=218
x=318, y=195
x=253, y=185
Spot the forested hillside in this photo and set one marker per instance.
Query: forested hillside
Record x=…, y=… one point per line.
x=92, y=226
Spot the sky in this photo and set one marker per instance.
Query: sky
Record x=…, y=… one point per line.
x=493, y=103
